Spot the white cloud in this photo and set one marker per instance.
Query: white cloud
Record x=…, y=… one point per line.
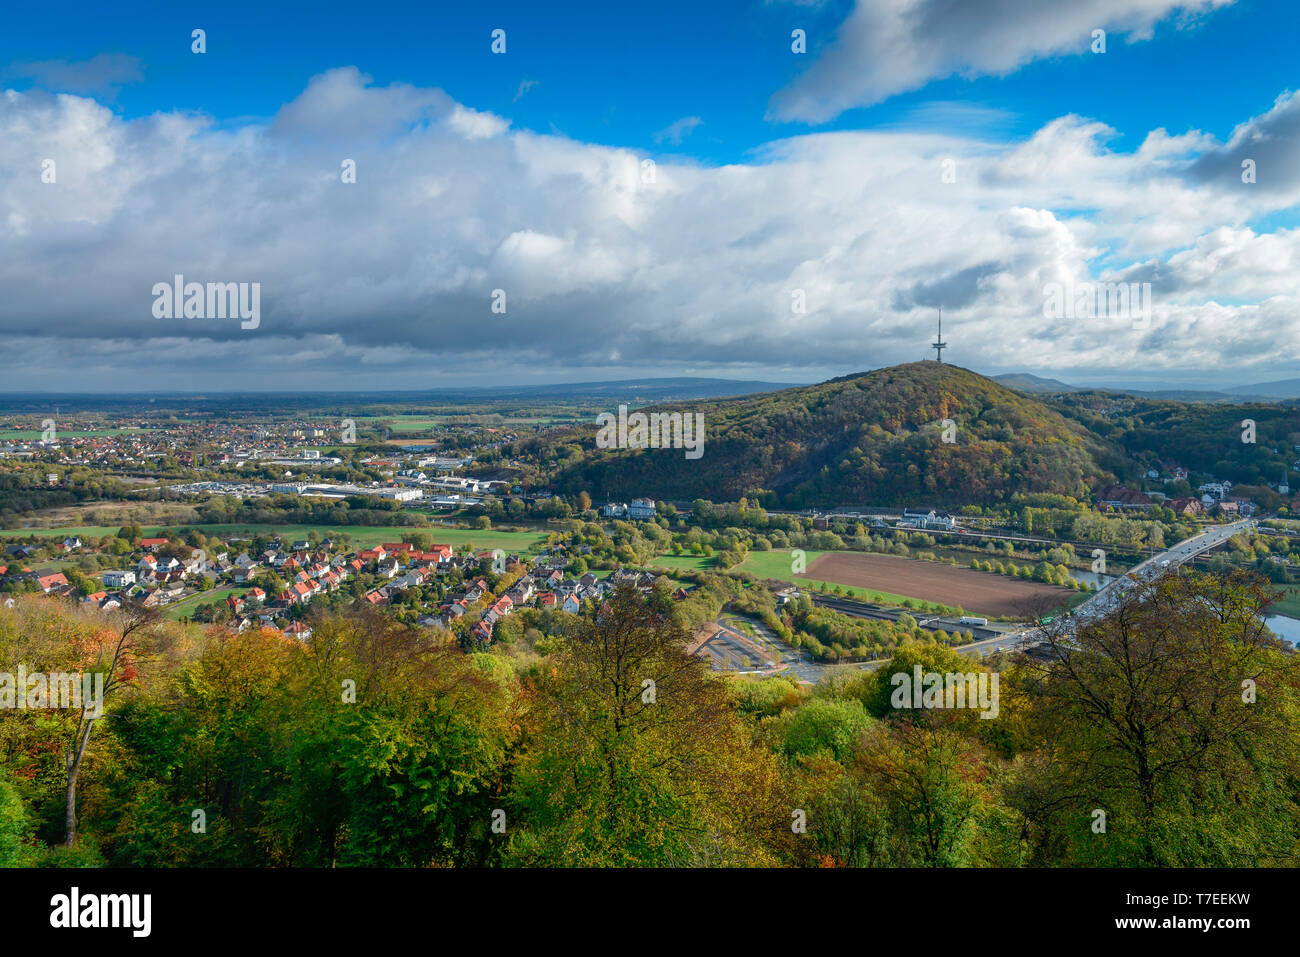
x=475, y=125
x=388, y=282
x=887, y=47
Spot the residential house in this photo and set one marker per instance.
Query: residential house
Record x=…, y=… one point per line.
x=243, y=574
x=641, y=509
x=1117, y=496
x=49, y=583
x=1245, y=507
x=1186, y=507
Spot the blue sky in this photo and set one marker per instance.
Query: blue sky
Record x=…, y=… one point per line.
x=779, y=175
x=620, y=78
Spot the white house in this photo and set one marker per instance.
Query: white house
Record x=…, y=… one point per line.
x=641, y=508
x=929, y=518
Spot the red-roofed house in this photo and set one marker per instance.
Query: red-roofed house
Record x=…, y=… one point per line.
x=50, y=582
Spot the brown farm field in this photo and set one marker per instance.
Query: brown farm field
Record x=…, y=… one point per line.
x=980, y=592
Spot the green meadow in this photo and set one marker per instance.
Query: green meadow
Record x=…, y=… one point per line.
x=363, y=536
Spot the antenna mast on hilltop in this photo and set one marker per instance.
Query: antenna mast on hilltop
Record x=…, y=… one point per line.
x=939, y=344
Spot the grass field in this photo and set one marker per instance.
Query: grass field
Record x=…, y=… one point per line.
x=364, y=536
x=424, y=423
x=186, y=606
x=31, y=435
x=1290, y=603
x=680, y=563
x=94, y=531
x=777, y=564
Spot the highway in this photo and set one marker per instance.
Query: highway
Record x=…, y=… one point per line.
x=1108, y=597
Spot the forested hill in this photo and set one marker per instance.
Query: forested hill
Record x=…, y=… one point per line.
x=873, y=438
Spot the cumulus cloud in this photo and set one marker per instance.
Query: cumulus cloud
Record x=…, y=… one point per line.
x=1261, y=152
x=611, y=266
x=887, y=47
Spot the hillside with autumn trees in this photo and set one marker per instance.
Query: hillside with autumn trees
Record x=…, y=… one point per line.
x=877, y=438
x=596, y=740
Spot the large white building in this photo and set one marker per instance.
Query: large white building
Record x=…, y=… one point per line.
x=398, y=494
x=927, y=518
x=640, y=509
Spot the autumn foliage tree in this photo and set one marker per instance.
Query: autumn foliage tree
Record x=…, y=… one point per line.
x=633, y=755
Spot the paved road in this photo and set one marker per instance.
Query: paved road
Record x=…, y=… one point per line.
x=800, y=661
x=1105, y=600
